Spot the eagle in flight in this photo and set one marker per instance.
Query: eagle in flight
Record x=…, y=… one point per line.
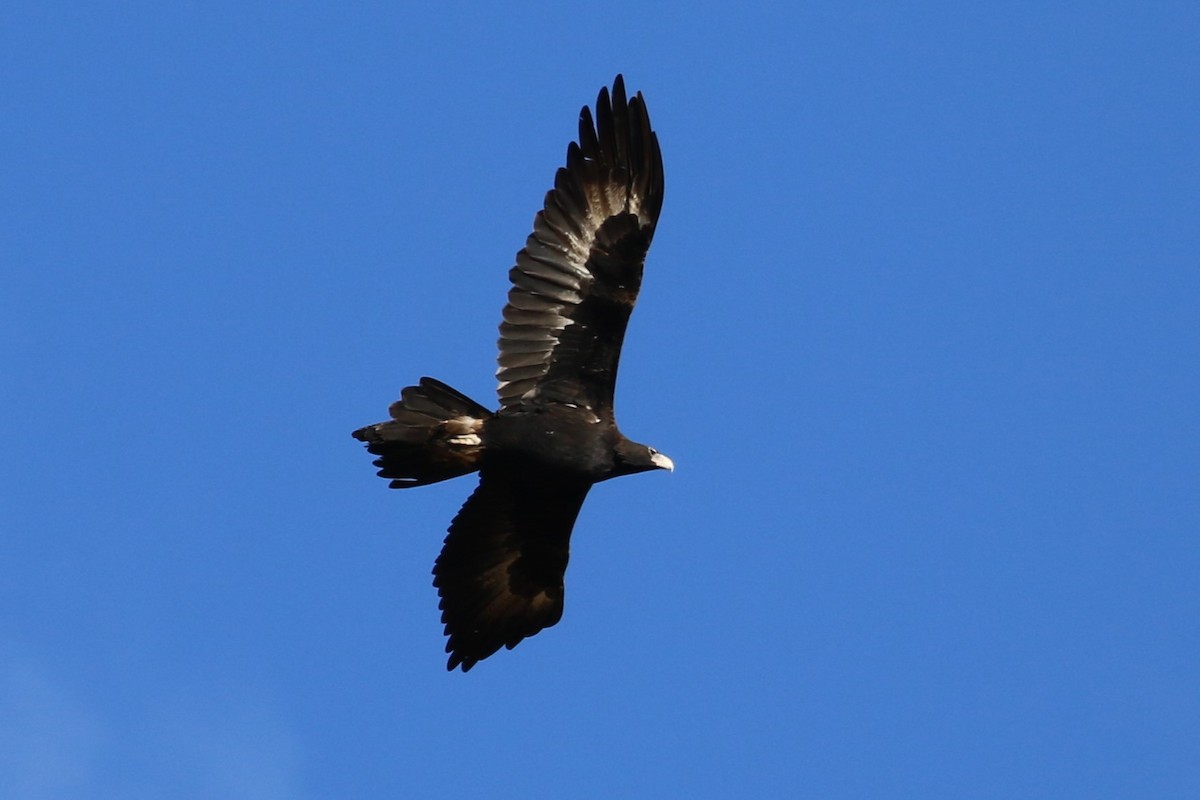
x=500, y=573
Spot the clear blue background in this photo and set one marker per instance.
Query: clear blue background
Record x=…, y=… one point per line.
x=920, y=329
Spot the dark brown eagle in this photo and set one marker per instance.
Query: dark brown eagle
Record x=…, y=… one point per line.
x=500, y=574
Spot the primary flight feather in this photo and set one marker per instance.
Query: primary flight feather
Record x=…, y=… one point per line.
x=500, y=573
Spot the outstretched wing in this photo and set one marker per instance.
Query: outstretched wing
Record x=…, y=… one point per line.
x=577, y=279
x=500, y=574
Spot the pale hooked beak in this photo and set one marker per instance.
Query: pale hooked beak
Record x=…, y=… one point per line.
x=662, y=462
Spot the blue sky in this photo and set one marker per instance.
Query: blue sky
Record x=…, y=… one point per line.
x=919, y=328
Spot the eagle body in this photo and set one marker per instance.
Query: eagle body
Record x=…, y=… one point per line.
x=570, y=439
x=501, y=569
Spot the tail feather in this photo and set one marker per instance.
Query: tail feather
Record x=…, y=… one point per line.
x=435, y=433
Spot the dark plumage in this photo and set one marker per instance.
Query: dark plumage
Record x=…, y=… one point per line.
x=500, y=574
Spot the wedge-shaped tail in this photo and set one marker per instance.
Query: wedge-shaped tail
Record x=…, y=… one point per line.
x=435, y=433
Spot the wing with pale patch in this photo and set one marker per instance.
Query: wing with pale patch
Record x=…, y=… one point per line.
x=577, y=278
x=500, y=574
